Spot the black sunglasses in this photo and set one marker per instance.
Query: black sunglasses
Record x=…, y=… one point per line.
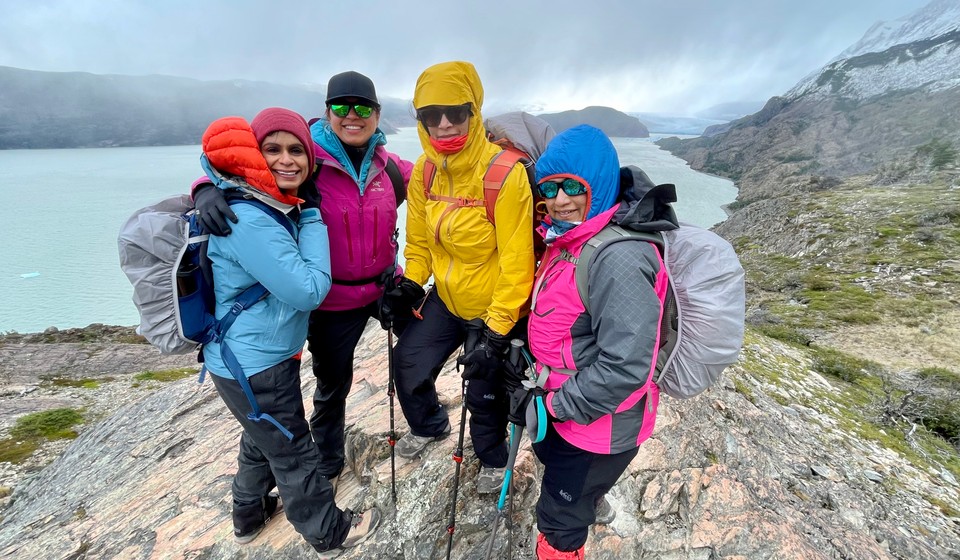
x=571, y=187
x=456, y=114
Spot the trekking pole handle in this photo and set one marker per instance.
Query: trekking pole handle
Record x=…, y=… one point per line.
x=515, y=345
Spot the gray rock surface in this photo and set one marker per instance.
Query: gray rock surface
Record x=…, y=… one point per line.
x=724, y=476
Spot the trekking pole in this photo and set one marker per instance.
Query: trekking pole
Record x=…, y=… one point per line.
x=505, y=490
x=392, y=436
x=473, y=337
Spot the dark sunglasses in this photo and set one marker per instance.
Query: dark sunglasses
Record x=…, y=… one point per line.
x=362, y=111
x=456, y=114
x=571, y=187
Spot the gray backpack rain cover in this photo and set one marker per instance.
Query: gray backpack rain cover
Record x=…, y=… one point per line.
x=703, y=321
x=151, y=243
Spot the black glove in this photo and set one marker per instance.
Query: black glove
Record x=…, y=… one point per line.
x=310, y=195
x=514, y=373
x=485, y=359
x=213, y=210
x=399, y=298
x=522, y=404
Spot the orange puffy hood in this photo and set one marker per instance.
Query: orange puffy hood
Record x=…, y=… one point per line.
x=231, y=147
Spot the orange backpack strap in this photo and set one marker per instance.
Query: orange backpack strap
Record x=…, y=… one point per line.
x=500, y=166
x=429, y=170
x=453, y=202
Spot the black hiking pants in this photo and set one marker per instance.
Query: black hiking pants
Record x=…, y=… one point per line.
x=332, y=339
x=267, y=458
x=420, y=355
x=573, y=481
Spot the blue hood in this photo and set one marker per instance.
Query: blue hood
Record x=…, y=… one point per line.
x=585, y=152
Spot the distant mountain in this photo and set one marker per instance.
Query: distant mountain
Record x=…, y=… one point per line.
x=77, y=109
x=895, y=90
x=610, y=121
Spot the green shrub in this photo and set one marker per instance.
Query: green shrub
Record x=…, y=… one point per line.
x=16, y=451
x=941, y=416
x=785, y=334
x=842, y=366
x=49, y=424
x=943, y=376
x=166, y=375
x=818, y=283
x=940, y=152
x=85, y=383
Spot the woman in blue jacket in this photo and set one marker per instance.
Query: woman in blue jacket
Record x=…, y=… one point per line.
x=271, y=161
x=359, y=207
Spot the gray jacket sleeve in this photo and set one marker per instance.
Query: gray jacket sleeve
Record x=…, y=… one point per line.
x=625, y=320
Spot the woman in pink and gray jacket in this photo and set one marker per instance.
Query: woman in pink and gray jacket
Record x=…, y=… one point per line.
x=594, y=367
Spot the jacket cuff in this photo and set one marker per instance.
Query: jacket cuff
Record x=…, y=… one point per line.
x=555, y=412
x=197, y=183
x=309, y=215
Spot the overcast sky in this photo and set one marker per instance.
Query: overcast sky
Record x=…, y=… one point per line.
x=669, y=56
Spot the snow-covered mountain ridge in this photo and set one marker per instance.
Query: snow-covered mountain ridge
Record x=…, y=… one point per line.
x=921, y=50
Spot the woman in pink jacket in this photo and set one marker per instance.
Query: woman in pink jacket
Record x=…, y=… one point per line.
x=593, y=367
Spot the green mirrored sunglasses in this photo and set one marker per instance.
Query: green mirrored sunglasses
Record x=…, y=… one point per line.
x=362, y=111
x=571, y=187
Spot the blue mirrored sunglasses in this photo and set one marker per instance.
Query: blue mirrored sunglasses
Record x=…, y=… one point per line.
x=571, y=187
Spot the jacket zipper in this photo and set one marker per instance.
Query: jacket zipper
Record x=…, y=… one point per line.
x=346, y=226
x=376, y=224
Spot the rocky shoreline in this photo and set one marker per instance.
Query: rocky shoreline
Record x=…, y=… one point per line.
x=92, y=369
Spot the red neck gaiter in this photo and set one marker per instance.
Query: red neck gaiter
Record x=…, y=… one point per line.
x=449, y=145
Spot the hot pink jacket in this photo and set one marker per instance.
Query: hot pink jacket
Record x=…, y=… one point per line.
x=599, y=365
x=361, y=224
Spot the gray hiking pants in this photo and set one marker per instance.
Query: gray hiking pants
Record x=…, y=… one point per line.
x=267, y=458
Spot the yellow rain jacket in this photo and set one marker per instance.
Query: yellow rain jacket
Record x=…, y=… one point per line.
x=479, y=270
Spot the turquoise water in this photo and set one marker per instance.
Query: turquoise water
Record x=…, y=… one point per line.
x=62, y=210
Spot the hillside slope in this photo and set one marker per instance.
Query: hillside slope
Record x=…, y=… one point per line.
x=778, y=461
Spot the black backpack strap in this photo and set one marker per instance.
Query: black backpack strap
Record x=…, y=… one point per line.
x=399, y=189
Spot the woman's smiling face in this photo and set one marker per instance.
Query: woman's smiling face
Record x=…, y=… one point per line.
x=287, y=159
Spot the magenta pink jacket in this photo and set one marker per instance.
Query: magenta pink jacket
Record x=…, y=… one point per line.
x=361, y=221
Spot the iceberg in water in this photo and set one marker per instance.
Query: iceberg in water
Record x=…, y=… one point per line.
x=30, y=275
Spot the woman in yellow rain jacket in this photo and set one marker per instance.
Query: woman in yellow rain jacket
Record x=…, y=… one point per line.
x=482, y=267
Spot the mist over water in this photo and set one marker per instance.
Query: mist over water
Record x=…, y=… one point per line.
x=62, y=210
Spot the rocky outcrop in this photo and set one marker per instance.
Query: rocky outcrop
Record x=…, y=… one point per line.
x=742, y=471
x=788, y=145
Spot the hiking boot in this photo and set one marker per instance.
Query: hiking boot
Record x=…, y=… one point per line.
x=546, y=552
x=361, y=526
x=272, y=505
x=603, y=512
x=411, y=446
x=490, y=480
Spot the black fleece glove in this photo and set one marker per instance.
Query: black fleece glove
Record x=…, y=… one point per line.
x=522, y=404
x=514, y=373
x=400, y=296
x=310, y=195
x=213, y=210
x=485, y=359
